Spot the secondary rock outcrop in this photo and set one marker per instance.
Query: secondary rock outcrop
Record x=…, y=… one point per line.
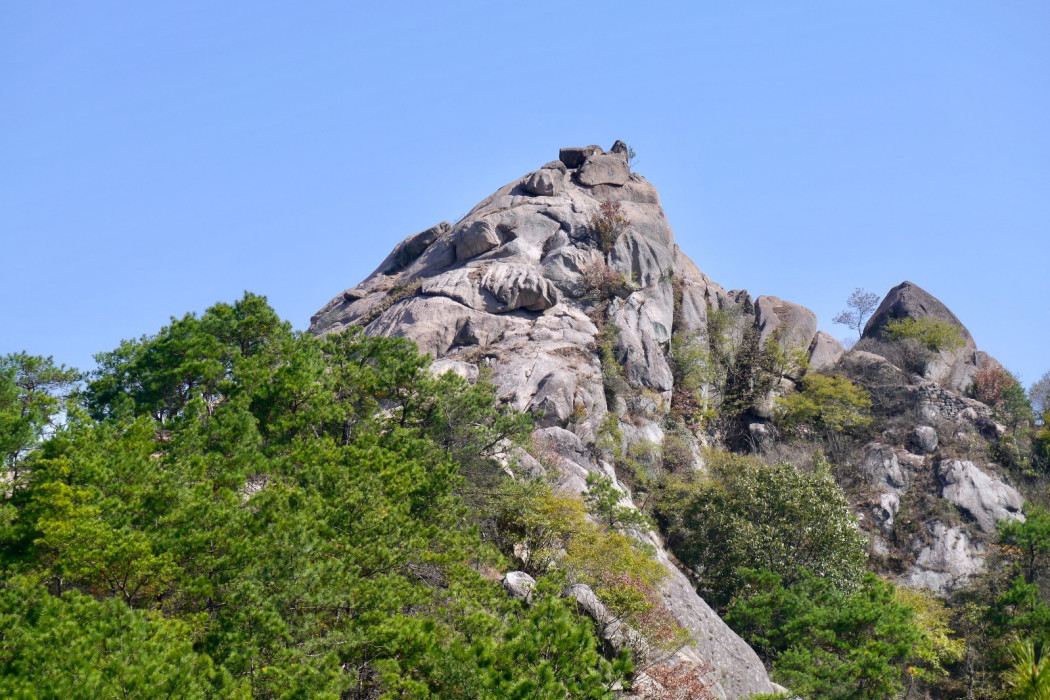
x=924, y=408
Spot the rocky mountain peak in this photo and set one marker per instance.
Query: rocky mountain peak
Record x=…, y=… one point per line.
x=529, y=284
x=566, y=286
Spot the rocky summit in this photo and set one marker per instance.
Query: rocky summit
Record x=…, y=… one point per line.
x=527, y=288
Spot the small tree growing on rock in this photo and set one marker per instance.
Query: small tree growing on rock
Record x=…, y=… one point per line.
x=861, y=305
x=608, y=224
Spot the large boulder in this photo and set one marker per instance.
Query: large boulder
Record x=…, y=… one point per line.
x=882, y=468
x=520, y=585
x=824, y=351
x=574, y=157
x=541, y=183
x=794, y=325
x=954, y=368
x=604, y=169
x=477, y=238
x=908, y=300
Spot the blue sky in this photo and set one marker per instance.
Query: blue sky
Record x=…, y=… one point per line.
x=158, y=157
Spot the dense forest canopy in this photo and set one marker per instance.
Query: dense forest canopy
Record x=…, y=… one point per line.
x=229, y=508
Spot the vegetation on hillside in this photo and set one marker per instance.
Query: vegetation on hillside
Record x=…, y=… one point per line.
x=231, y=509
x=228, y=508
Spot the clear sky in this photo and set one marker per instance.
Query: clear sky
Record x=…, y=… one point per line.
x=158, y=157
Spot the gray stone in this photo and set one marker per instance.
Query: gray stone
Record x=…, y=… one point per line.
x=540, y=183
x=520, y=585
x=408, y=251
x=889, y=504
x=881, y=467
x=989, y=428
x=794, y=325
x=466, y=370
x=574, y=157
x=604, y=169
x=984, y=498
x=739, y=671
x=824, y=351
x=908, y=300
x=871, y=369
x=556, y=165
x=950, y=559
x=611, y=630
x=619, y=147
x=477, y=238
x=926, y=438
x=519, y=287
x=952, y=368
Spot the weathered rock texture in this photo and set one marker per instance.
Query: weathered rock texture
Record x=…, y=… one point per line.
x=506, y=287
x=511, y=287
x=921, y=412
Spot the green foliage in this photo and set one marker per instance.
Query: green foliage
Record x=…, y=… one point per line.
x=692, y=365
x=1029, y=676
x=826, y=404
x=603, y=502
x=933, y=334
x=73, y=646
x=1039, y=395
x=610, y=437
x=33, y=392
x=774, y=516
x=613, y=378
x=722, y=374
x=1042, y=441
x=281, y=515
x=1025, y=605
x=825, y=642
x=939, y=647
x=543, y=650
x=551, y=530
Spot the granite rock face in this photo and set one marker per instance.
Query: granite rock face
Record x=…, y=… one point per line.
x=507, y=288
x=951, y=557
x=984, y=498
x=511, y=288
